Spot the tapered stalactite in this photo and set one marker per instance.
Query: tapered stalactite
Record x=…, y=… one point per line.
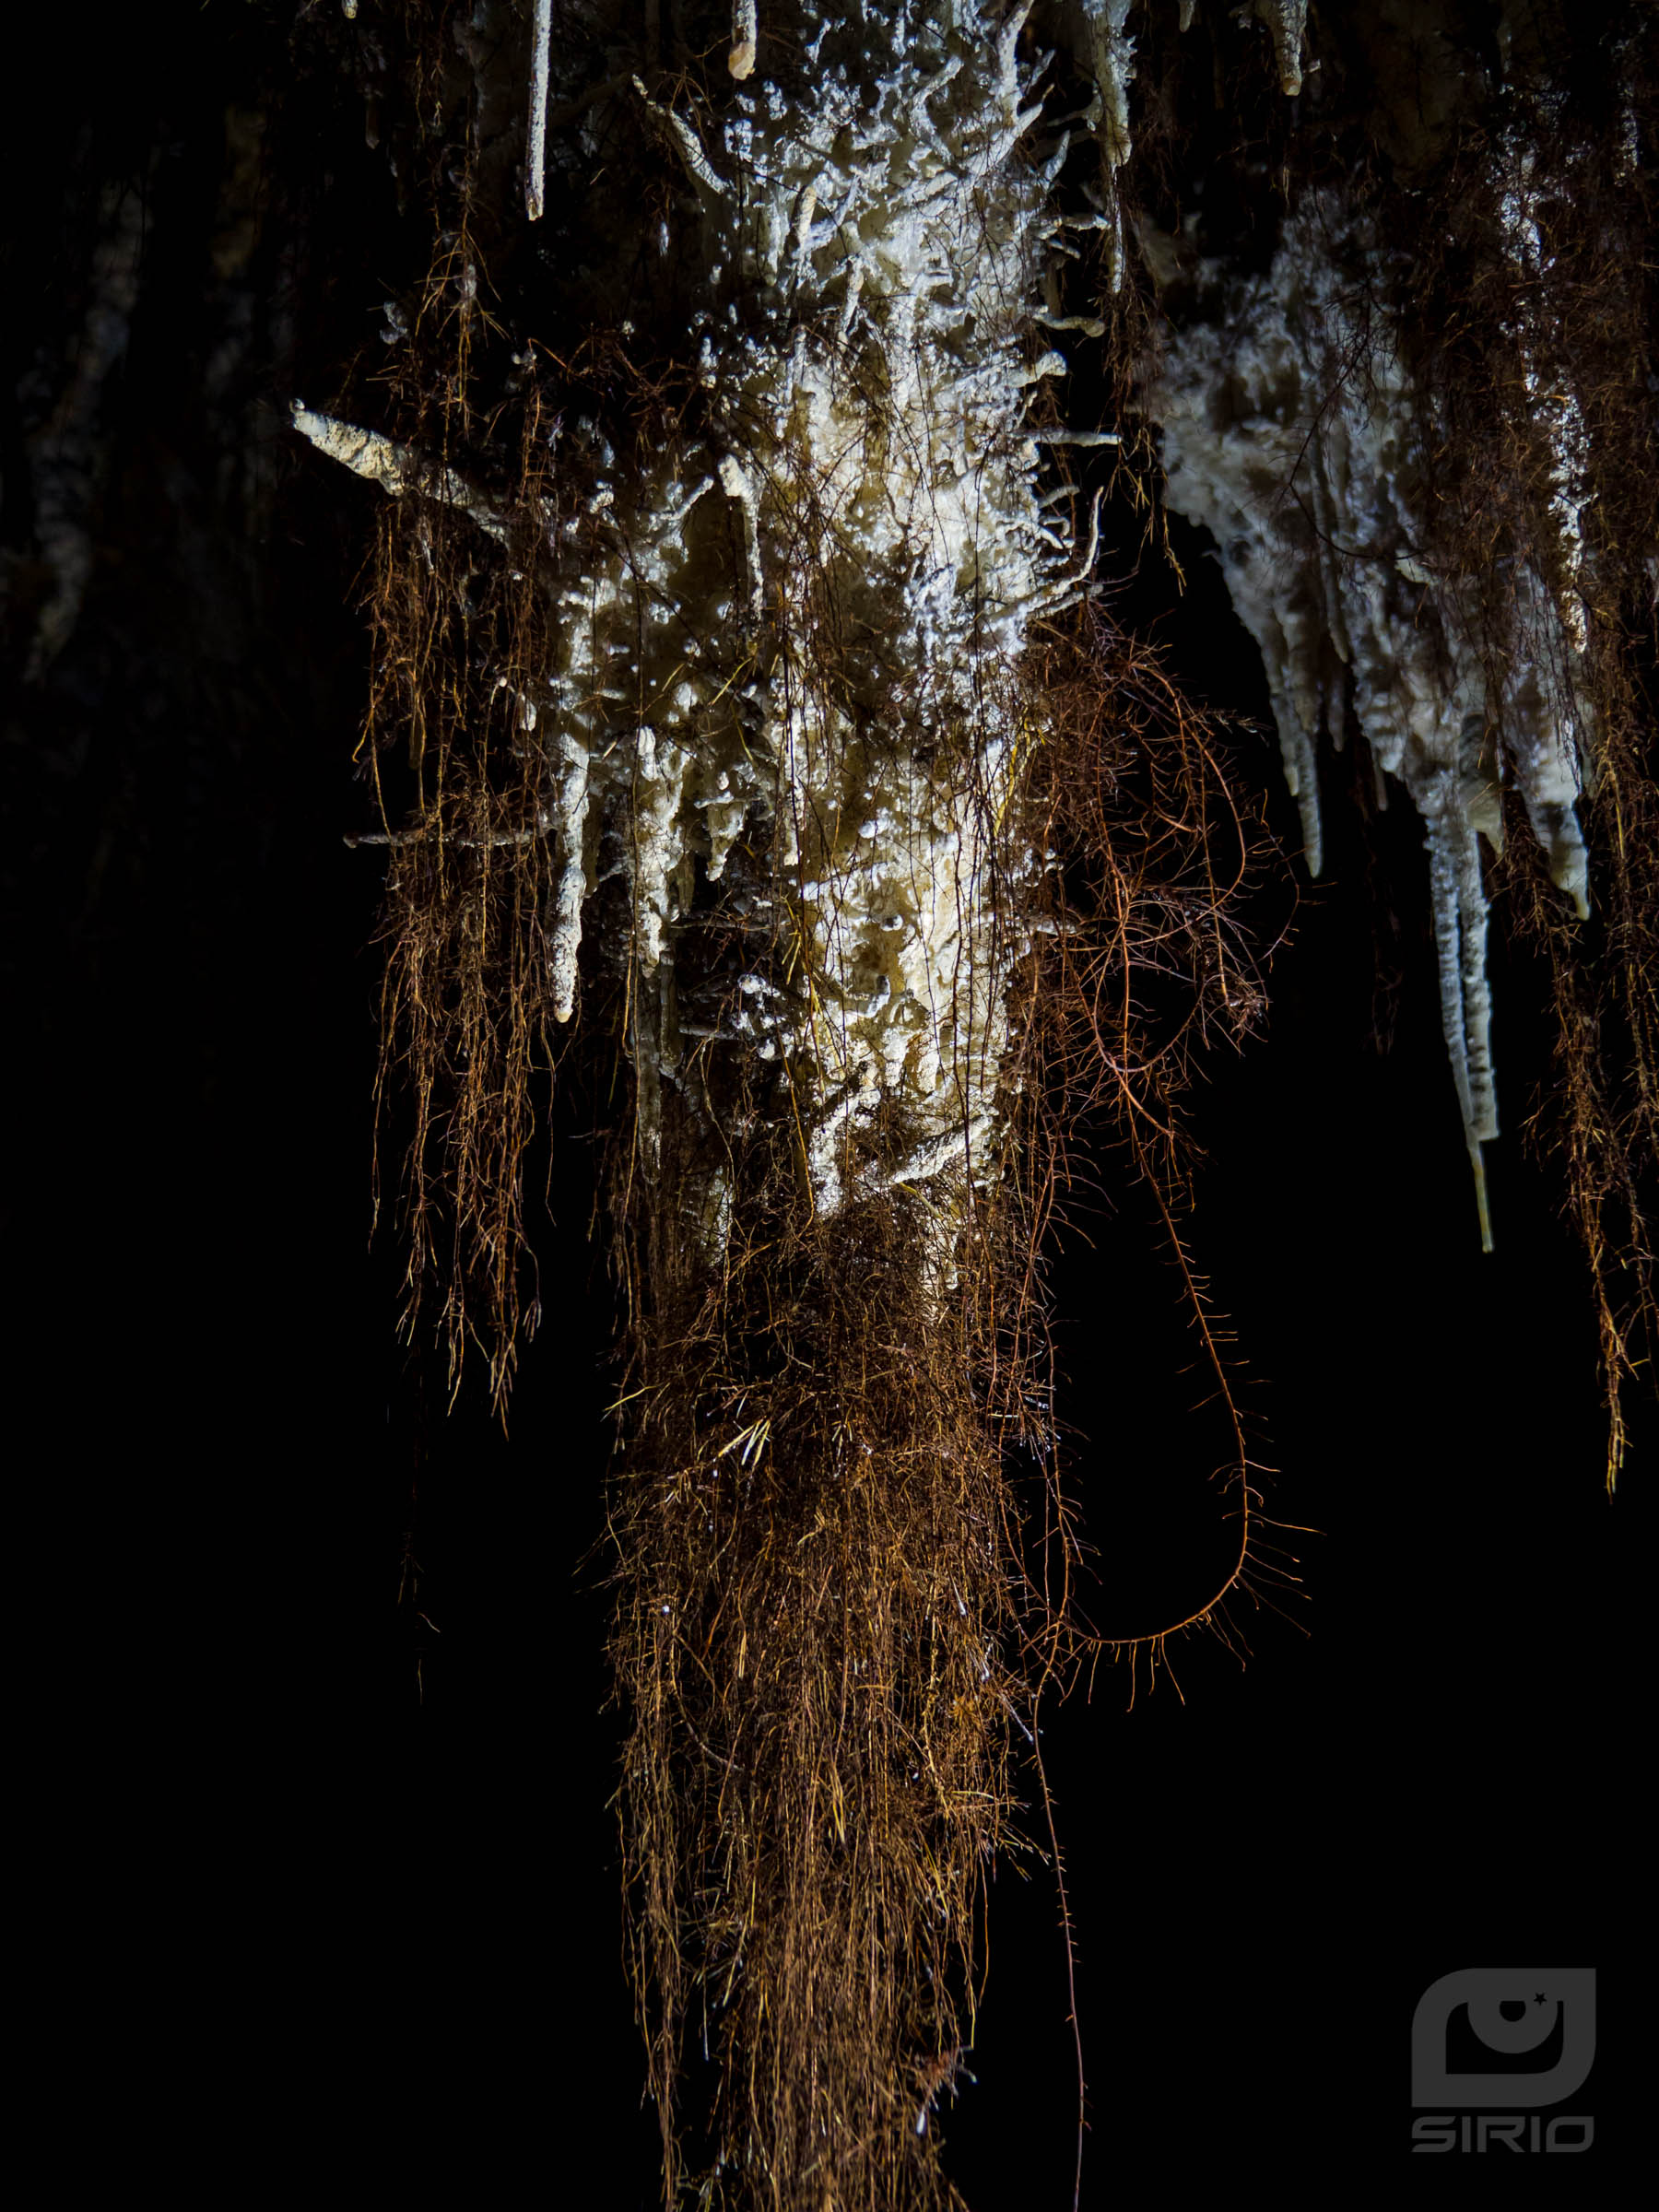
x=1293, y=440
x=1297, y=431
x=535, y=152
x=797, y=633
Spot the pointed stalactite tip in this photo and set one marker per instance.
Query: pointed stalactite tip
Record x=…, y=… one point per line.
x=745, y=39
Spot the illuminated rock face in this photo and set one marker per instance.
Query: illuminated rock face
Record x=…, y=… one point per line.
x=831, y=633
x=1290, y=435
x=797, y=636
x=794, y=637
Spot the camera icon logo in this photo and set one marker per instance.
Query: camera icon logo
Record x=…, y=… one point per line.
x=1540, y=2019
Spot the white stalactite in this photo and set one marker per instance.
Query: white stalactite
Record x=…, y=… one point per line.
x=1307, y=472
x=1287, y=22
x=885, y=242
x=395, y=468
x=744, y=40
x=536, y=162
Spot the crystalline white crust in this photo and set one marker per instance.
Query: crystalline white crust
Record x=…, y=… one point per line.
x=1288, y=434
x=800, y=633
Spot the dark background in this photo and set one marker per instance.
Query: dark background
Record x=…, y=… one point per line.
x=363, y=1845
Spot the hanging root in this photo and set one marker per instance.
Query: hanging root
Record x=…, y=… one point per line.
x=1154, y=851
x=813, y=1641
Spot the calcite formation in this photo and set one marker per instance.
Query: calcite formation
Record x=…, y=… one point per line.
x=1291, y=434
x=798, y=634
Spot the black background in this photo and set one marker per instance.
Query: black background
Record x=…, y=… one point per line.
x=349, y=1862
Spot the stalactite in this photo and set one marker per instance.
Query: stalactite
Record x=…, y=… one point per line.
x=885, y=466
x=536, y=152
x=1291, y=433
